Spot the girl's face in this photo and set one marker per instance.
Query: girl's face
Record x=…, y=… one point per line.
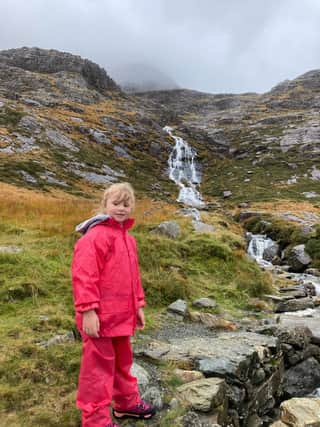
x=120, y=210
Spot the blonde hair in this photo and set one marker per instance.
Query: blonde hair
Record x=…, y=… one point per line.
x=124, y=192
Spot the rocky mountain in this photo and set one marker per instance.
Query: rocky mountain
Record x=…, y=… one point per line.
x=64, y=122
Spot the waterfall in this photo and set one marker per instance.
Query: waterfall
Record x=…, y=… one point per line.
x=182, y=170
x=257, y=245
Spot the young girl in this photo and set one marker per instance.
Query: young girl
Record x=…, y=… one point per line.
x=109, y=302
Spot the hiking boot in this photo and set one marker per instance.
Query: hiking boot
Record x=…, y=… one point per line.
x=143, y=410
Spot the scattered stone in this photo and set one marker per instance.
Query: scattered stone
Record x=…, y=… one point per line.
x=122, y=152
x=202, y=227
x=203, y=395
x=58, y=339
x=179, y=307
x=301, y=412
x=168, y=228
x=204, y=303
x=310, y=194
x=174, y=403
x=28, y=178
x=10, y=249
x=227, y=194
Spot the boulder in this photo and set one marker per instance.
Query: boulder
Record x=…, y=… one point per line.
x=271, y=252
x=298, y=258
x=204, y=303
x=179, y=307
x=203, y=395
x=169, y=229
x=294, y=305
x=302, y=379
x=301, y=412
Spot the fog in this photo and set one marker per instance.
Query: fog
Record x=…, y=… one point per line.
x=208, y=45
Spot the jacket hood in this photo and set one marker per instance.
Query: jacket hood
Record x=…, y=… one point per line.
x=85, y=226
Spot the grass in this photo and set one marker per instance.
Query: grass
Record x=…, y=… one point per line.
x=38, y=385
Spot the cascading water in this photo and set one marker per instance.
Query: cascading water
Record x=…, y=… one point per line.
x=182, y=170
x=257, y=245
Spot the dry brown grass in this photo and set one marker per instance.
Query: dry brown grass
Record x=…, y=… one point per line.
x=286, y=206
x=59, y=212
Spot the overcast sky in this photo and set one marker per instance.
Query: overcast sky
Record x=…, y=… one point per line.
x=208, y=45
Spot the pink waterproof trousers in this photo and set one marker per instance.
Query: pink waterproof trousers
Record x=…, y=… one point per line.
x=105, y=376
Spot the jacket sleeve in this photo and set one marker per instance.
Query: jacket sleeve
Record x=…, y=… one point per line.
x=140, y=291
x=88, y=257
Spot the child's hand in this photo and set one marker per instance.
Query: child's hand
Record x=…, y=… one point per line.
x=140, y=319
x=91, y=323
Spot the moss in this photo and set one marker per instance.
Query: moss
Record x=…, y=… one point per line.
x=10, y=117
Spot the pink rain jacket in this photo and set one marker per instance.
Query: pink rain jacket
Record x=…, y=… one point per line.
x=105, y=277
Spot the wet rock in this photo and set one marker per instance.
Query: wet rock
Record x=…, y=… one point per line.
x=302, y=379
x=271, y=252
x=298, y=258
x=301, y=412
x=179, y=307
x=203, y=395
x=168, y=228
x=294, y=305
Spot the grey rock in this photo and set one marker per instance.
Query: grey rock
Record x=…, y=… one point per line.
x=142, y=376
x=298, y=258
x=302, y=379
x=204, y=303
x=60, y=139
x=31, y=124
x=310, y=194
x=95, y=178
x=227, y=194
x=99, y=137
x=168, y=228
x=271, y=252
x=58, y=339
x=28, y=178
x=122, y=152
x=10, y=249
x=202, y=227
x=179, y=307
x=153, y=395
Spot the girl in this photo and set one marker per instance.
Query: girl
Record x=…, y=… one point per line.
x=109, y=302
